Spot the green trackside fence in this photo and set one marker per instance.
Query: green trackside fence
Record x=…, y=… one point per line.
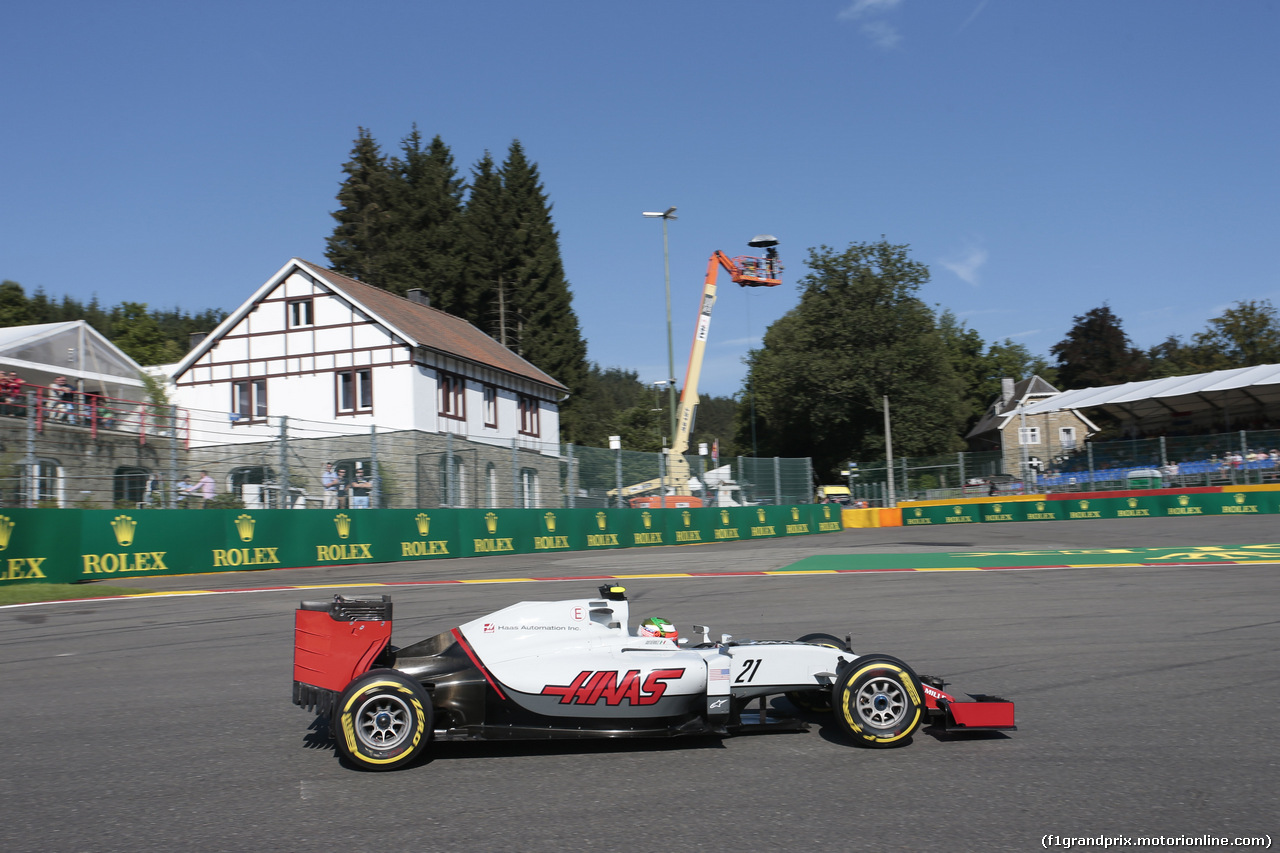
x=67, y=546
x=1171, y=504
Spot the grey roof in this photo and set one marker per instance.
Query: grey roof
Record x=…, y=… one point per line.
x=1248, y=386
x=998, y=414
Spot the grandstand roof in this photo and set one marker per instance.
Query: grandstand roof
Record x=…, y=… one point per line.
x=1239, y=391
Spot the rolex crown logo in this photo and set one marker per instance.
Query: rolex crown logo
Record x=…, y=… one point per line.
x=491, y=522
x=343, y=522
x=424, y=523
x=919, y=512
x=1039, y=506
x=550, y=519
x=124, y=526
x=602, y=520
x=958, y=510
x=826, y=511
x=1239, y=497
x=724, y=517
x=995, y=507
x=1132, y=502
x=647, y=518
x=760, y=514
x=1183, y=500
x=6, y=530
x=244, y=526
x=685, y=516
x=1084, y=504
x=795, y=513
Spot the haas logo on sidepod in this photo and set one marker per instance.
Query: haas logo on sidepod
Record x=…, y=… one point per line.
x=590, y=688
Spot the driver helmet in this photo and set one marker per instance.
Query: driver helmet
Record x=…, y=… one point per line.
x=656, y=626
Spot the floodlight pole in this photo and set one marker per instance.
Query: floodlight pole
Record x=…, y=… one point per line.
x=669, y=213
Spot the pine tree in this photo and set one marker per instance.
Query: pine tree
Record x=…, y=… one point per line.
x=424, y=241
x=361, y=243
x=551, y=337
x=487, y=278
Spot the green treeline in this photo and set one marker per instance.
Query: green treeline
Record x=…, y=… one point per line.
x=860, y=333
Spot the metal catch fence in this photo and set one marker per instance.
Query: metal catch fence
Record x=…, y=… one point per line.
x=167, y=457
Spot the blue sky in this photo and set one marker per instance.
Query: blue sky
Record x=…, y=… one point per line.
x=1041, y=158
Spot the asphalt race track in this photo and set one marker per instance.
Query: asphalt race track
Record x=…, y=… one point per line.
x=1146, y=702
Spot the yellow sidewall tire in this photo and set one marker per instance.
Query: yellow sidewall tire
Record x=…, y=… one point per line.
x=879, y=701
x=383, y=721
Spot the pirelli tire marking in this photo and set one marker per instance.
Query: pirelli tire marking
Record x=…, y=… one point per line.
x=384, y=720
x=879, y=700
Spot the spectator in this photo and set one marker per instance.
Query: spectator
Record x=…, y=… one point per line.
x=53, y=399
x=153, y=496
x=360, y=491
x=68, y=403
x=205, y=488
x=183, y=488
x=330, y=478
x=18, y=394
x=342, y=489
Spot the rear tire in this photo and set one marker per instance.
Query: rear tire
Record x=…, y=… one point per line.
x=879, y=701
x=816, y=701
x=383, y=720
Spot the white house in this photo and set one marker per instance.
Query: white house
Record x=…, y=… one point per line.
x=314, y=345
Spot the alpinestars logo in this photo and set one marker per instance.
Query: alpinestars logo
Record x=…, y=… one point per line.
x=591, y=688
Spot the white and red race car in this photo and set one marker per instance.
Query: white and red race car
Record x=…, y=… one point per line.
x=574, y=669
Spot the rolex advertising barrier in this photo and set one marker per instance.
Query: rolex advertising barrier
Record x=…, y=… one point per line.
x=69, y=545
x=1162, y=503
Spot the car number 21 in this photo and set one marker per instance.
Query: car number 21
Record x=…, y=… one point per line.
x=749, y=670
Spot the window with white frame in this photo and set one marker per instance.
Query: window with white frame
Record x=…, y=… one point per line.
x=1028, y=435
x=529, y=497
x=530, y=422
x=248, y=401
x=453, y=399
x=490, y=406
x=1067, y=437
x=355, y=391
x=299, y=312
x=46, y=482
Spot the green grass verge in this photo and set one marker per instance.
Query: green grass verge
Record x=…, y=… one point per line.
x=27, y=593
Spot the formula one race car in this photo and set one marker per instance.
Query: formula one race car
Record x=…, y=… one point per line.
x=574, y=669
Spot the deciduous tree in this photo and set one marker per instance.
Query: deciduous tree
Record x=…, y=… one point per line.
x=1096, y=351
x=860, y=333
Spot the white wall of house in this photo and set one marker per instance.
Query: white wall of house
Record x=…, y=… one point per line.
x=298, y=341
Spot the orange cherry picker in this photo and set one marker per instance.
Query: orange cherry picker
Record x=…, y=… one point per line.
x=673, y=487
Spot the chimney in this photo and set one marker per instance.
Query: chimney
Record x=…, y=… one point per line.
x=1006, y=391
x=196, y=339
x=418, y=295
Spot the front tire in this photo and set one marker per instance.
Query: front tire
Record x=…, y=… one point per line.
x=879, y=701
x=816, y=701
x=383, y=720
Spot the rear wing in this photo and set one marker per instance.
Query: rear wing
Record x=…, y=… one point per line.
x=334, y=642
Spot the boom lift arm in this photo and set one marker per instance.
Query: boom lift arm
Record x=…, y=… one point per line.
x=745, y=272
